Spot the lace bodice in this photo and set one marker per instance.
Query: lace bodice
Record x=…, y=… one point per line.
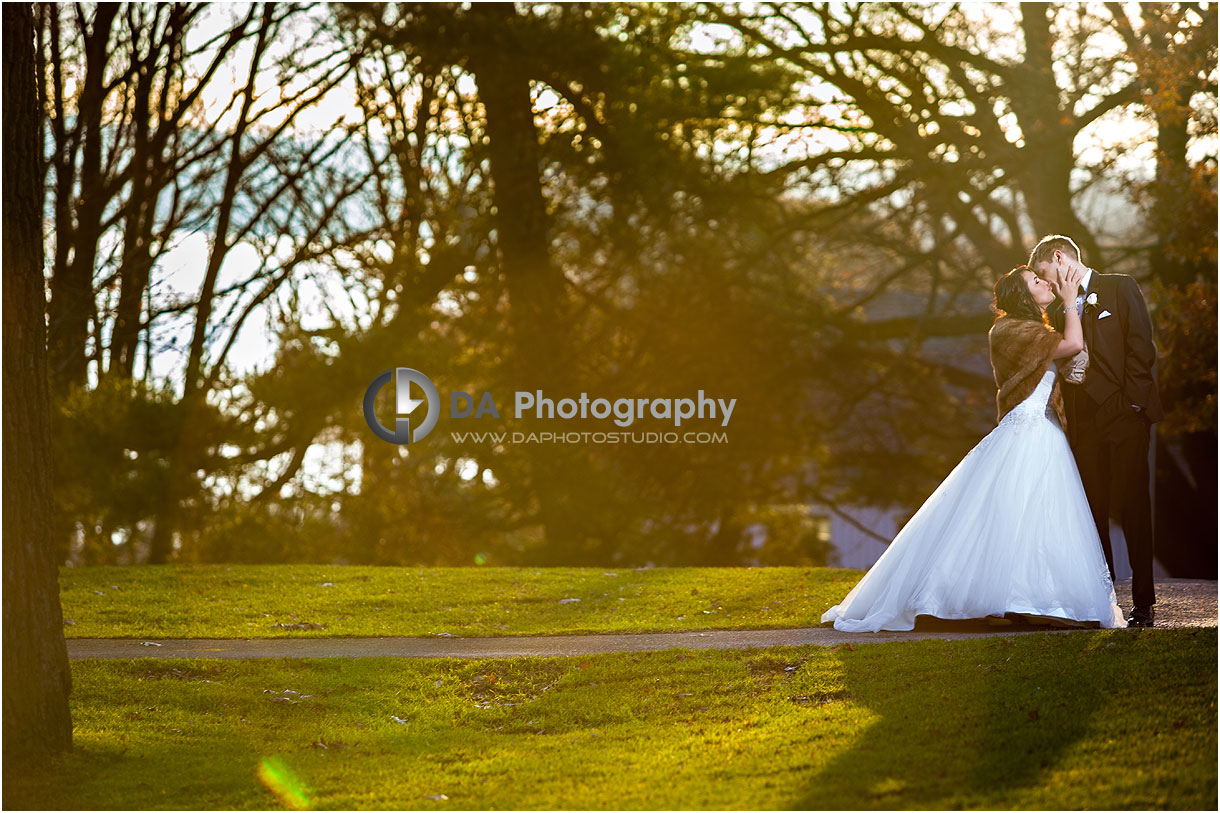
x=1037, y=407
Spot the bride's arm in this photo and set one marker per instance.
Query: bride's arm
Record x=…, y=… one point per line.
x=1073, y=335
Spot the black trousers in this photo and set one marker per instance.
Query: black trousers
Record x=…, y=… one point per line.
x=1110, y=443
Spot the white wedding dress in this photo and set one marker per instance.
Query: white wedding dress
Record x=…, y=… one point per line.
x=1008, y=531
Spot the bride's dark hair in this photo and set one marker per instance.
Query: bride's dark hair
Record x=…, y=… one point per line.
x=1013, y=299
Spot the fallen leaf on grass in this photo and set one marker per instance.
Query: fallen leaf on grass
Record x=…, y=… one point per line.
x=569, y=601
x=439, y=797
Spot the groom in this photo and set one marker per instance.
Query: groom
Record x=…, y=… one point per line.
x=1111, y=411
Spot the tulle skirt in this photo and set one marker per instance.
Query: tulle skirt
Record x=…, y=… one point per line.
x=1008, y=531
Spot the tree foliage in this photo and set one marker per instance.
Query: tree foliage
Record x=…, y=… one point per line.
x=801, y=206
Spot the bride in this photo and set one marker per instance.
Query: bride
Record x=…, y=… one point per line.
x=1009, y=530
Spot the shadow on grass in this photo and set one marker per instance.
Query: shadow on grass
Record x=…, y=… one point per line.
x=998, y=722
x=199, y=734
x=956, y=729
x=1011, y=622
x=102, y=776
x=158, y=735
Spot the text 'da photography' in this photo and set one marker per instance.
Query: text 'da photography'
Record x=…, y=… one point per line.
x=610, y=406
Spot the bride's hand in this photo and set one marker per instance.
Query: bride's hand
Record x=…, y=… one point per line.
x=1067, y=285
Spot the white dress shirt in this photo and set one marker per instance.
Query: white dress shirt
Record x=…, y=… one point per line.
x=1084, y=287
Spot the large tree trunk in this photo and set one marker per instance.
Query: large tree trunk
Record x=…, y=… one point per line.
x=36, y=676
x=1175, y=186
x=535, y=286
x=1047, y=182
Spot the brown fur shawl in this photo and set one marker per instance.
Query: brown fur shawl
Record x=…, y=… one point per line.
x=1021, y=351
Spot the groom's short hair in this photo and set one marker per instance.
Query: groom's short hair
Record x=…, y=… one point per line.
x=1047, y=246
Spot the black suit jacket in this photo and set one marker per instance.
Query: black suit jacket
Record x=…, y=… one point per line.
x=1118, y=333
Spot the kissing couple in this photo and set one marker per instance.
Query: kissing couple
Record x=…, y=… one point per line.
x=1022, y=524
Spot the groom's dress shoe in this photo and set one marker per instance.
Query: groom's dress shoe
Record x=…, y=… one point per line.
x=1140, y=617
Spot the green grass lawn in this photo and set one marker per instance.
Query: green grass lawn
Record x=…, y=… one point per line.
x=251, y=601
x=1088, y=719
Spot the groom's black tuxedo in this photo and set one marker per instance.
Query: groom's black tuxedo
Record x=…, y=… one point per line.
x=1109, y=415
x=1118, y=333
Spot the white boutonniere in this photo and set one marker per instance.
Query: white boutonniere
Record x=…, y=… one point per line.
x=1090, y=301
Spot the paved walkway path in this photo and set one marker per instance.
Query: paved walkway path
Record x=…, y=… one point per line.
x=1180, y=603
